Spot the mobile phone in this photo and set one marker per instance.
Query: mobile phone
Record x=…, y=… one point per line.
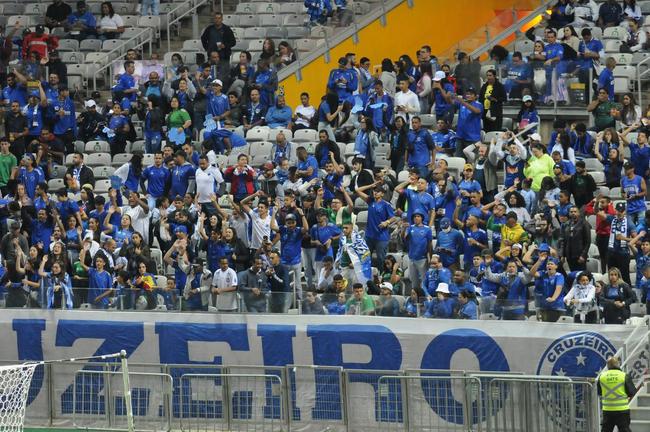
x=376, y=69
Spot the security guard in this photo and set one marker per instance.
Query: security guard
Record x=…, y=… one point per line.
x=616, y=389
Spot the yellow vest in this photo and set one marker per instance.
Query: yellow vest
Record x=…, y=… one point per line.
x=612, y=385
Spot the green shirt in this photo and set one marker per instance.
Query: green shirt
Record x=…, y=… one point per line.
x=345, y=216
x=7, y=163
x=602, y=115
x=367, y=305
x=177, y=118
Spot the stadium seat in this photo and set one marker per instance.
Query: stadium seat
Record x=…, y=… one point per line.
x=524, y=46
x=245, y=8
x=612, y=46
x=90, y=45
x=637, y=309
x=254, y=33
x=305, y=135
x=322, y=32
x=55, y=184
x=249, y=21
x=593, y=164
x=68, y=45
x=267, y=8
x=296, y=32
x=152, y=22
x=624, y=59
x=192, y=45
x=68, y=158
x=102, y=185
x=273, y=133
x=621, y=85
x=565, y=319
x=257, y=134
x=255, y=45
x=120, y=159
x=360, y=7
x=16, y=9
x=291, y=8
x=616, y=33
x=130, y=20
x=487, y=316
x=276, y=32
x=305, y=45
x=97, y=147
x=35, y=9
x=103, y=172
x=231, y=20
x=58, y=171
x=24, y=20
x=598, y=176
x=271, y=20
x=98, y=159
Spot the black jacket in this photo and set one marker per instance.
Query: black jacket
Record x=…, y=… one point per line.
x=279, y=280
x=86, y=176
x=576, y=239
x=212, y=35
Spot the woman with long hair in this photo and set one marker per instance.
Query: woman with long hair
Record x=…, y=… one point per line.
x=582, y=296
x=388, y=77
x=110, y=25
x=57, y=285
x=86, y=201
x=630, y=113
x=391, y=272
x=328, y=113
x=616, y=298
x=613, y=164
x=398, y=141
x=563, y=146
x=268, y=51
x=570, y=37
x=178, y=118
x=129, y=173
x=366, y=142
x=73, y=237
x=286, y=55
x=239, y=255
x=492, y=96
x=423, y=87
x=411, y=70
x=548, y=196
x=527, y=114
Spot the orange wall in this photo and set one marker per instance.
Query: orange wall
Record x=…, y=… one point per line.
x=438, y=23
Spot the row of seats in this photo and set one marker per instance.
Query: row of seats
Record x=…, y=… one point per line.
x=159, y=21
x=246, y=8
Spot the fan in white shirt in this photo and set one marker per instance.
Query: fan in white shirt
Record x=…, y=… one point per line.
x=224, y=287
x=406, y=102
x=304, y=112
x=207, y=178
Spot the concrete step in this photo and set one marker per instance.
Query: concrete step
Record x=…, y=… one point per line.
x=640, y=425
x=643, y=400
x=640, y=413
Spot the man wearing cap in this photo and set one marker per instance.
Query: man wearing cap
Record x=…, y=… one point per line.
x=443, y=92
x=389, y=306
x=291, y=236
x=633, y=189
x=197, y=287
x=616, y=390
x=379, y=108
x=218, y=106
x=34, y=113
x=443, y=305
x=39, y=42
x=81, y=24
x=621, y=233
x=380, y=217
x=520, y=77
x=88, y=128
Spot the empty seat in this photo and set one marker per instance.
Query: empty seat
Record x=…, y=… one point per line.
x=55, y=184
x=111, y=44
x=297, y=32
x=271, y=20
x=102, y=185
x=254, y=33
x=15, y=9
x=231, y=20
x=255, y=45
x=257, y=134
x=291, y=8
x=121, y=158
x=103, y=172
x=249, y=21
x=72, y=57
x=618, y=33
x=68, y=45
x=361, y=8
x=130, y=20
x=98, y=159
x=245, y=8
x=305, y=45
x=90, y=45
x=97, y=147
x=294, y=20
x=277, y=33
x=24, y=20
x=192, y=45
x=267, y=8
x=305, y=135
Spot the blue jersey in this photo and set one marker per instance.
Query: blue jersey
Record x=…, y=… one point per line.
x=344, y=82
x=381, y=117
x=291, y=242
x=304, y=166
x=87, y=18
x=446, y=140
x=181, y=176
x=487, y=287
x=67, y=121
x=449, y=246
x=217, y=105
x=641, y=262
x=34, y=115
x=433, y=277
x=98, y=282
x=442, y=106
x=421, y=202
x=67, y=208
x=553, y=50
x=418, y=239
x=420, y=145
x=606, y=81
x=126, y=82
x=41, y=233
x=469, y=123
x=473, y=250
x=17, y=93
x=378, y=212
x=594, y=45
x=633, y=187
x=640, y=158
x=31, y=179
x=157, y=178
x=545, y=286
x=323, y=234
x=468, y=311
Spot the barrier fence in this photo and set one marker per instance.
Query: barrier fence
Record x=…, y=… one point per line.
x=215, y=398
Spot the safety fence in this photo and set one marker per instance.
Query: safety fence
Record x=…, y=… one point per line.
x=214, y=398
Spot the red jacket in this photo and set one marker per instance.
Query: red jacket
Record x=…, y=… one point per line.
x=236, y=178
x=42, y=44
x=603, y=227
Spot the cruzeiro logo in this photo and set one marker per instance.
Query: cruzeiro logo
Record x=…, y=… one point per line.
x=576, y=355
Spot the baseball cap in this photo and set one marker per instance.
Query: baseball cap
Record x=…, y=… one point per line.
x=628, y=165
x=439, y=76
x=527, y=98
x=445, y=223
x=181, y=228
x=554, y=260
x=516, y=246
x=443, y=288
x=40, y=29
x=90, y=103
x=291, y=217
x=535, y=137
x=217, y=82
x=581, y=164
x=417, y=212
x=544, y=247
x=29, y=156
x=468, y=167
x=620, y=206
x=386, y=285
x=557, y=165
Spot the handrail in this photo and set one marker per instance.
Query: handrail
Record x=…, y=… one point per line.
x=193, y=5
x=118, y=50
x=511, y=29
x=340, y=36
x=639, y=76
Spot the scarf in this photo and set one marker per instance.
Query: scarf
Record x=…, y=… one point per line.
x=359, y=256
x=619, y=226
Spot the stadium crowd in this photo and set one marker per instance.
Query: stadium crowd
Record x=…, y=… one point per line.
x=353, y=206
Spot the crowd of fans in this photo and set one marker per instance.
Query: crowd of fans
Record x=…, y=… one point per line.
x=387, y=224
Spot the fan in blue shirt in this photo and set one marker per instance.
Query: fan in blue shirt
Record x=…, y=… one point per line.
x=63, y=114
x=468, y=127
x=157, y=177
x=640, y=154
x=323, y=235
x=181, y=175
x=126, y=89
x=418, y=201
x=606, y=77
x=450, y=243
x=307, y=166
x=420, y=148
x=418, y=240
x=444, y=139
x=343, y=81
x=14, y=92
x=29, y=175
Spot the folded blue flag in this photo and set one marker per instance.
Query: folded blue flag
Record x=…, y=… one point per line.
x=175, y=136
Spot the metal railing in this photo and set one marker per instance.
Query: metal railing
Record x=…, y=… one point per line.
x=181, y=11
x=635, y=352
x=213, y=397
x=139, y=40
